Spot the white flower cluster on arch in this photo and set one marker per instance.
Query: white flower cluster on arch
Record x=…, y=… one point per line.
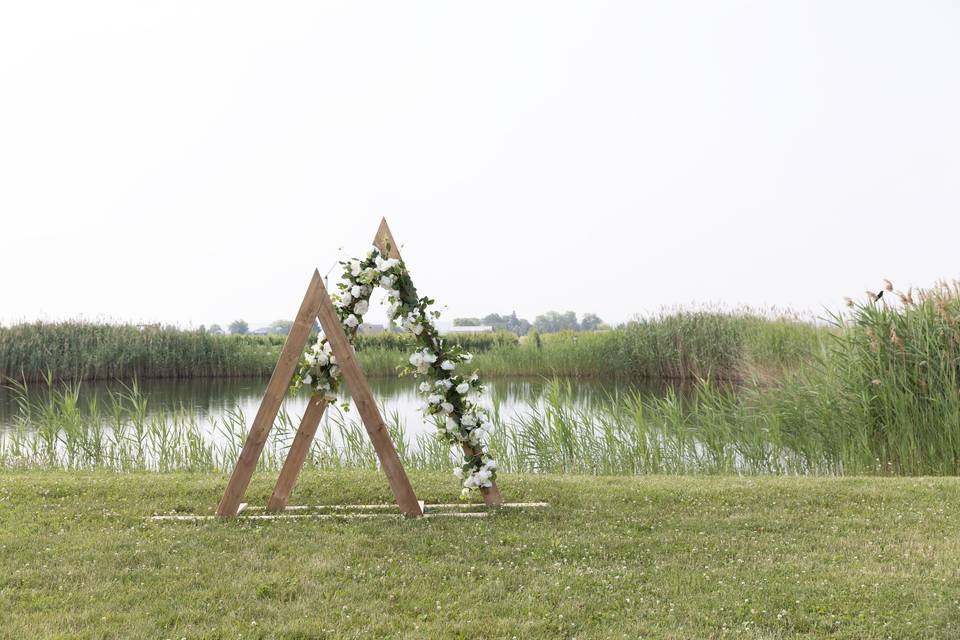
x=451, y=398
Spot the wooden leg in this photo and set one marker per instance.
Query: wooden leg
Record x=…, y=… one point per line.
x=273, y=397
x=491, y=495
x=367, y=408
x=298, y=453
x=385, y=242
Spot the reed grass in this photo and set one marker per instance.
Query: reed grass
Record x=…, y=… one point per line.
x=682, y=345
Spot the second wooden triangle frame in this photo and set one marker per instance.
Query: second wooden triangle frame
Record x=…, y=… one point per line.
x=318, y=305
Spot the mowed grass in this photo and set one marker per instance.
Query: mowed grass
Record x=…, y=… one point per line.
x=613, y=557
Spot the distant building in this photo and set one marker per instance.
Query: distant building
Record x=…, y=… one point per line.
x=370, y=328
x=482, y=328
x=262, y=331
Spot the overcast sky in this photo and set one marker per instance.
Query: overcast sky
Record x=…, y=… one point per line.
x=193, y=162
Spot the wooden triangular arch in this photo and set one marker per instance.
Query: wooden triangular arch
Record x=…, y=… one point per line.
x=317, y=304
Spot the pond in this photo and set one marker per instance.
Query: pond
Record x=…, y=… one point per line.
x=216, y=399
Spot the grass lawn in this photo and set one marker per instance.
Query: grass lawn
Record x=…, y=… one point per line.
x=657, y=557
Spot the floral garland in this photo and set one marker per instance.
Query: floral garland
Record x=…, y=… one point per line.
x=451, y=398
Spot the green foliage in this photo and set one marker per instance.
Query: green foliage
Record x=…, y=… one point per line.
x=239, y=327
x=554, y=321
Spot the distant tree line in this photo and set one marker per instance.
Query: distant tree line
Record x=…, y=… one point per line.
x=549, y=322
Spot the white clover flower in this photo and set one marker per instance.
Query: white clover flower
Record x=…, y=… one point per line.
x=351, y=321
x=425, y=387
x=361, y=307
x=446, y=407
x=462, y=388
x=446, y=365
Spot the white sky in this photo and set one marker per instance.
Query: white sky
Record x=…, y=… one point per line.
x=193, y=162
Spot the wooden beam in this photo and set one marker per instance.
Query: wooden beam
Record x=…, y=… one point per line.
x=385, y=242
x=298, y=452
x=273, y=397
x=367, y=408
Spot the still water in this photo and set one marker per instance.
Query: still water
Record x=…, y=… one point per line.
x=212, y=399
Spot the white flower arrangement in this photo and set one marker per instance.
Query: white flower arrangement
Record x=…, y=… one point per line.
x=451, y=399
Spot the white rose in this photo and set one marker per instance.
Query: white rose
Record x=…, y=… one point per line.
x=355, y=268
x=386, y=282
x=346, y=299
x=334, y=371
x=446, y=407
x=491, y=464
x=429, y=357
x=322, y=359
x=330, y=396
x=435, y=398
x=361, y=307
x=417, y=329
x=457, y=471
x=307, y=379
x=425, y=387
x=451, y=424
x=356, y=291
x=351, y=321
x=483, y=476
x=468, y=419
x=446, y=365
x=462, y=388
x=416, y=358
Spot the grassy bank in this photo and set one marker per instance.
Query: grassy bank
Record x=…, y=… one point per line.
x=672, y=558
x=682, y=345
